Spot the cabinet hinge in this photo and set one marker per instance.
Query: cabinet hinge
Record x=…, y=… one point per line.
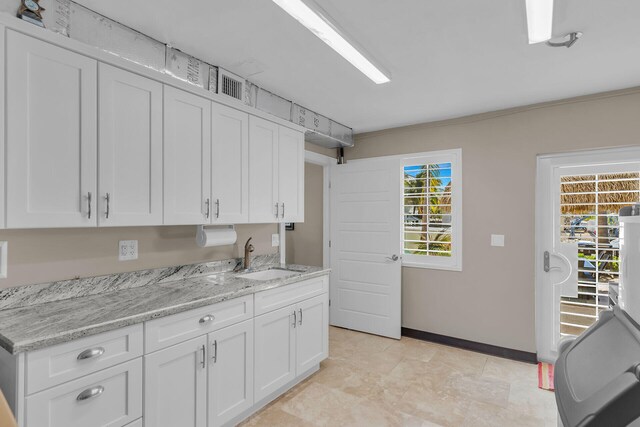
x=329, y=303
x=329, y=243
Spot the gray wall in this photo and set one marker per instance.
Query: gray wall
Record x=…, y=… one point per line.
x=492, y=299
x=304, y=244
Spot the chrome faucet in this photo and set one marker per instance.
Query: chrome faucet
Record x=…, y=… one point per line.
x=248, y=248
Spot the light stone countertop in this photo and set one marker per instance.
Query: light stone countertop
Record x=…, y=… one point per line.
x=33, y=327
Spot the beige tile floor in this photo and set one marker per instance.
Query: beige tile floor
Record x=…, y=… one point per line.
x=372, y=381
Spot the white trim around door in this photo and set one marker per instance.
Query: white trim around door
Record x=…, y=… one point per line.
x=561, y=277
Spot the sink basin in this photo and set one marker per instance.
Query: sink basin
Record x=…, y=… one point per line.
x=271, y=274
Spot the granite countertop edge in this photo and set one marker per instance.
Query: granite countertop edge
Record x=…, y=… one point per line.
x=66, y=334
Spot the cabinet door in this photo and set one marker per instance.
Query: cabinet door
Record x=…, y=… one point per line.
x=51, y=135
x=176, y=385
x=130, y=149
x=291, y=175
x=187, y=158
x=263, y=170
x=312, y=340
x=230, y=165
x=230, y=372
x=275, y=346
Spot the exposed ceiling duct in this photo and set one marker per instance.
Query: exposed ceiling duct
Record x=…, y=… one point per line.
x=80, y=23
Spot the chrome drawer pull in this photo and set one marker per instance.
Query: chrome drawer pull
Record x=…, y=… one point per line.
x=206, y=319
x=90, y=353
x=90, y=392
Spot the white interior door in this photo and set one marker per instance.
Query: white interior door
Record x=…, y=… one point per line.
x=578, y=197
x=365, y=246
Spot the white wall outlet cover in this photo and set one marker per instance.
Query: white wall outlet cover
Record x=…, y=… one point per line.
x=275, y=240
x=497, y=240
x=128, y=250
x=4, y=251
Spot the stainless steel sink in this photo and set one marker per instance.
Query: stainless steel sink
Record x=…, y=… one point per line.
x=271, y=274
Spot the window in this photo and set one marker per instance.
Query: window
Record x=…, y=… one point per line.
x=431, y=204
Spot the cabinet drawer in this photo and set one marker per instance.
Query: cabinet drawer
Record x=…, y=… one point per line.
x=274, y=299
x=170, y=330
x=116, y=400
x=64, y=362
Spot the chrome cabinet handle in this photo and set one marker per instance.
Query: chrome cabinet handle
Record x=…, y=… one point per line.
x=108, y=199
x=215, y=351
x=295, y=318
x=90, y=392
x=217, y=208
x=393, y=257
x=207, y=203
x=282, y=209
x=91, y=353
x=89, y=205
x=203, y=360
x=300, y=317
x=277, y=210
x=206, y=319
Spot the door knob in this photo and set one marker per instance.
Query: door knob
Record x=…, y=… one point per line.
x=393, y=257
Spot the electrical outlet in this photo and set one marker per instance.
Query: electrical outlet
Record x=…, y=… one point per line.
x=275, y=240
x=128, y=250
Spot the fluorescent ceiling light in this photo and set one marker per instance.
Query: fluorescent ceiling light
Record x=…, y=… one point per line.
x=539, y=20
x=328, y=33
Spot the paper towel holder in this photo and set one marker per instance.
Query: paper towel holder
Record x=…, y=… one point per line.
x=217, y=235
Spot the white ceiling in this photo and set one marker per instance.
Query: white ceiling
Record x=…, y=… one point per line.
x=447, y=58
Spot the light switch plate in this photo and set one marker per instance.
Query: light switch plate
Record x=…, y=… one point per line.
x=128, y=250
x=4, y=250
x=497, y=240
x=275, y=240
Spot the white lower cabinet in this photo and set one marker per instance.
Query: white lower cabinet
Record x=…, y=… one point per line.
x=275, y=351
x=111, y=397
x=312, y=339
x=207, y=367
x=289, y=342
x=230, y=373
x=176, y=385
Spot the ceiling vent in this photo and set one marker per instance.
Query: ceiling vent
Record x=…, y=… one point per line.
x=231, y=85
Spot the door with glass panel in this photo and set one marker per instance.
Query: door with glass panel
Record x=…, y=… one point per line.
x=577, y=235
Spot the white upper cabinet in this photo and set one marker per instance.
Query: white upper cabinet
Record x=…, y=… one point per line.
x=276, y=172
x=51, y=135
x=291, y=175
x=263, y=171
x=187, y=158
x=130, y=149
x=230, y=165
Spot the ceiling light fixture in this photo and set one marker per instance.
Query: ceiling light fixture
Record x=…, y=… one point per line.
x=318, y=24
x=539, y=20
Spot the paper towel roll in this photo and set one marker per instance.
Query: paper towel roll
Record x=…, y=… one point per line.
x=206, y=237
